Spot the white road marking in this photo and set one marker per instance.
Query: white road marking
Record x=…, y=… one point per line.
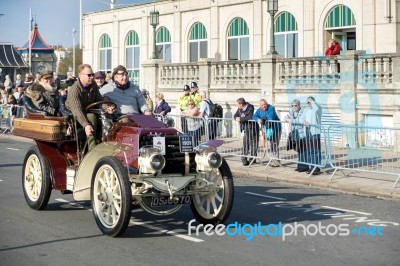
x=144, y=224
x=264, y=196
x=271, y=202
x=1, y=180
x=12, y=149
x=161, y=230
x=345, y=210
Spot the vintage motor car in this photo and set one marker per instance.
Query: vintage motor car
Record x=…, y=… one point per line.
x=139, y=161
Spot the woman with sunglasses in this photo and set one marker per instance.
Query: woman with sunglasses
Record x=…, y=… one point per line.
x=296, y=139
x=193, y=121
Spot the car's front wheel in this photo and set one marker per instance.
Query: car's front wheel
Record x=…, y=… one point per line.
x=111, y=196
x=36, y=180
x=215, y=206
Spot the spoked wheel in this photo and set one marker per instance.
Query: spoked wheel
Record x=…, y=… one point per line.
x=111, y=196
x=214, y=207
x=36, y=180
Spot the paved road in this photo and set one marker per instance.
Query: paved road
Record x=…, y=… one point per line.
x=65, y=233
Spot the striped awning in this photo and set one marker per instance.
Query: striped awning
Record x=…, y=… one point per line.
x=339, y=17
x=9, y=57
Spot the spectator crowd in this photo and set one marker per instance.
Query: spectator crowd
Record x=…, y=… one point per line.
x=47, y=95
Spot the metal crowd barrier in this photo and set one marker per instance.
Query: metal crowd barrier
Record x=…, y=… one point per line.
x=366, y=149
x=243, y=141
x=296, y=143
x=344, y=148
x=225, y=129
x=7, y=115
x=190, y=125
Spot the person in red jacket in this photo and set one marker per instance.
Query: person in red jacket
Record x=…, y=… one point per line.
x=333, y=49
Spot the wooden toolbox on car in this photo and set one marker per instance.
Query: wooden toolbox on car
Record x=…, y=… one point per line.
x=48, y=130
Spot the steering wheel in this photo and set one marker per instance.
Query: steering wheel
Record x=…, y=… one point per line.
x=90, y=107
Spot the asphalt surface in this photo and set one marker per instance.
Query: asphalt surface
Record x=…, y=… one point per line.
x=65, y=233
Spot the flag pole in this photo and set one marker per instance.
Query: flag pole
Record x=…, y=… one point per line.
x=29, y=41
x=80, y=24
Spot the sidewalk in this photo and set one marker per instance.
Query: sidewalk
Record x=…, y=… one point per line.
x=358, y=183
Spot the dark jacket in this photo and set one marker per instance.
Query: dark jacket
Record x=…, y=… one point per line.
x=37, y=99
x=79, y=98
x=162, y=107
x=245, y=115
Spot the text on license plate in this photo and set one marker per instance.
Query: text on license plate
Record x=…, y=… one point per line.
x=166, y=200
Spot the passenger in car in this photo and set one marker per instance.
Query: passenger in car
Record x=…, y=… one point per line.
x=41, y=97
x=127, y=96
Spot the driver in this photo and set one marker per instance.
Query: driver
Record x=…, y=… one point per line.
x=82, y=93
x=127, y=97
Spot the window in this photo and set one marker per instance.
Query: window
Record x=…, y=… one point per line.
x=105, y=53
x=197, y=42
x=238, y=40
x=133, y=57
x=163, y=44
x=286, y=36
x=340, y=24
x=351, y=41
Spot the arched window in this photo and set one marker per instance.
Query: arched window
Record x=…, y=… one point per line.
x=105, y=53
x=163, y=42
x=197, y=42
x=340, y=24
x=286, y=35
x=132, y=50
x=238, y=40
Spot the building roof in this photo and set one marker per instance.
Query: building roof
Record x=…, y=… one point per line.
x=37, y=44
x=9, y=57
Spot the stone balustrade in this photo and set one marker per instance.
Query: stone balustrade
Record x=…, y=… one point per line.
x=349, y=87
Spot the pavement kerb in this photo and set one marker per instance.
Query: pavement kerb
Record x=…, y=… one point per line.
x=286, y=175
x=335, y=185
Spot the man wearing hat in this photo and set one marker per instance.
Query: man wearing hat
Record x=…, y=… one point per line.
x=182, y=103
x=41, y=97
x=100, y=79
x=194, y=93
x=83, y=92
x=184, y=98
x=149, y=101
x=128, y=98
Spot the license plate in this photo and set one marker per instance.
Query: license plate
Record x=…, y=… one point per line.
x=186, y=143
x=166, y=200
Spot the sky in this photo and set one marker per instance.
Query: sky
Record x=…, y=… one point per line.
x=55, y=19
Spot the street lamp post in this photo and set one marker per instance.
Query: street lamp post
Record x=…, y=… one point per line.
x=154, y=21
x=272, y=9
x=73, y=51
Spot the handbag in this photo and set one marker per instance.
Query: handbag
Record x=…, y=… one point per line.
x=269, y=133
